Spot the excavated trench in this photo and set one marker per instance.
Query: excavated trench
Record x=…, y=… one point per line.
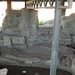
x=20, y=70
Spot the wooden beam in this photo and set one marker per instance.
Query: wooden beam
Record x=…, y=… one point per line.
x=8, y=4
x=23, y=0
x=63, y=10
x=14, y=0
x=25, y=5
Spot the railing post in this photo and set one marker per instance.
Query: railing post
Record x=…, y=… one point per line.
x=55, y=41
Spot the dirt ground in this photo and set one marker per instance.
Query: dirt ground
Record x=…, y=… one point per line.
x=20, y=70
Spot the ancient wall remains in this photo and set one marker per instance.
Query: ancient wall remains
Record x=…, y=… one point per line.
x=67, y=36
x=20, y=29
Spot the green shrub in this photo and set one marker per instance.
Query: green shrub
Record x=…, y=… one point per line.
x=40, y=22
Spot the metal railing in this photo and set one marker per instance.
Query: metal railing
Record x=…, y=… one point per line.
x=36, y=4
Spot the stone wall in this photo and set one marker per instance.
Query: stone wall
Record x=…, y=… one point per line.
x=11, y=22
x=28, y=25
x=20, y=27
x=44, y=35
x=67, y=35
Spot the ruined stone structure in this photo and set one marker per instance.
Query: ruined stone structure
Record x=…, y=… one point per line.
x=20, y=27
x=23, y=42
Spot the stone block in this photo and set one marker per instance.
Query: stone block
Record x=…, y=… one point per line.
x=28, y=61
x=18, y=40
x=30, y=43
x=7, y=41
x=29, y=24
x=3, y=71
x=1, y=42
x=11, y=22
x=20, y=46
x=73, y=39
x=11, y=31
x=68, y=24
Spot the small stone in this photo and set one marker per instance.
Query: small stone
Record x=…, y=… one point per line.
x=3, y=71
x=28, y=61
x=18, y=40
x=1, y=42
x=7, y=41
